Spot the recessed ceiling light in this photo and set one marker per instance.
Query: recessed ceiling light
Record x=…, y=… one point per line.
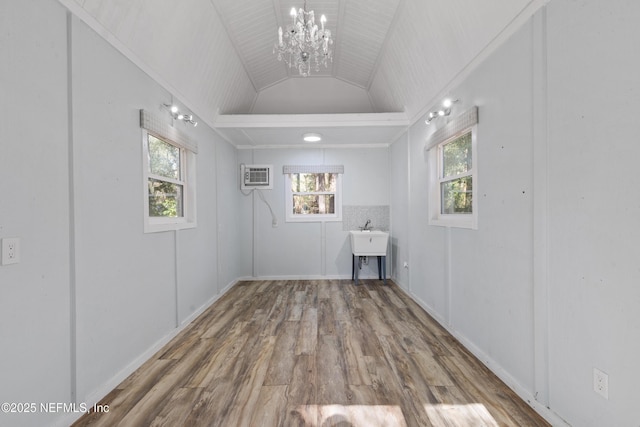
x=312, y=137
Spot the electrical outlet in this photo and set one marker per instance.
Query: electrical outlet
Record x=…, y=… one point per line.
x=10, y=250
x=601, y=383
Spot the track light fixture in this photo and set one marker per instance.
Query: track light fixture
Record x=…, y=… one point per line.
x=445, y=110
x=177, y=115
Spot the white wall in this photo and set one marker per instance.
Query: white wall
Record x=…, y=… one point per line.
x=125, y=280
x=594, y=102
x=546, y=288
x=400, y=202
x=94, y=296
x=311, y=250
x=312, y=95
x=234, y=219
x=134, y=289
x=34, y=206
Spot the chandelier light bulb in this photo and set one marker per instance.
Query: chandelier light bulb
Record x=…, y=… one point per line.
x=447, y=103
x=441, y=113
x=174, y=109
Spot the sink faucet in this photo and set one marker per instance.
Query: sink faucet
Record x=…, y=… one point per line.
x=366, y=225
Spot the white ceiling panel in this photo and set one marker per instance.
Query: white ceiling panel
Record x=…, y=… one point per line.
x=431, y=43
x=251, y=28
x=363, y=30
x=217, y=55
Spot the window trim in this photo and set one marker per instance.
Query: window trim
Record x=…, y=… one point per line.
x=291, y=217
x=188, y=182
x=459, y=220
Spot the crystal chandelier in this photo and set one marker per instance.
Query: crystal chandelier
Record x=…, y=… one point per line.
x=303, y=43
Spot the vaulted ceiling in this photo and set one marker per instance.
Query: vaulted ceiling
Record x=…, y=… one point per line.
x=216, y=56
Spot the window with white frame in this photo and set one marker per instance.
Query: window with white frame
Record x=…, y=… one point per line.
x=169, y=181
x=313, y=193
x=453, y=177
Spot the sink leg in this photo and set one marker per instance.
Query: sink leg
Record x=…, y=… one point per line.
x=353, y=265
x=384, y=269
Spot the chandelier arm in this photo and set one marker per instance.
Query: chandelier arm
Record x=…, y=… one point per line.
x=304, y=42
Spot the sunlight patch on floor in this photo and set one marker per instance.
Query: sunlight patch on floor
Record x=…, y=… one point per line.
x=472, y=414
x=352, y=415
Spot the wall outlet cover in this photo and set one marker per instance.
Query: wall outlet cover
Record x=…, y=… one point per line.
x=601, y=383
x=10, y=250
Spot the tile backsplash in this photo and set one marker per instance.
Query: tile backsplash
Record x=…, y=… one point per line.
x=354, y=217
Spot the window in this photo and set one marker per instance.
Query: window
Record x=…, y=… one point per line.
x=455, y=175
x=313, y=196
x=165, y=179
x=169, y=184
x=452, y=160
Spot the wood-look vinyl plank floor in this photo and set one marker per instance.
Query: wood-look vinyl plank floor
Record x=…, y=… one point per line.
x=313, y=353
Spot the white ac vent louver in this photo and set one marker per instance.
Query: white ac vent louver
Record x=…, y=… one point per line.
x=256, y=177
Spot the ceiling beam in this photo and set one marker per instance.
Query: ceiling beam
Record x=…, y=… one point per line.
x=246, y=121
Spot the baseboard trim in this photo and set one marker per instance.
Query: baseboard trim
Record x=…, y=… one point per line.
x=308, y=277
x=112, y=383
x=545, y=412
x=402, y=285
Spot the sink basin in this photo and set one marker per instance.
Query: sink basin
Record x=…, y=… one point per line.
x=369, y=243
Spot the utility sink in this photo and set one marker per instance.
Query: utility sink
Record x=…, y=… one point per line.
x=369, y=243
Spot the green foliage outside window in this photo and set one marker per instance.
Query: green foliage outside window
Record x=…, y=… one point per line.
x=165, y=196
x=313, y=193
x=457, y=156
x=164, y=158
x=456, y=196
x=456, y=190
x=165, y=199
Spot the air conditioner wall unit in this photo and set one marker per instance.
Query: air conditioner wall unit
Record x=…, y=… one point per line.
x=256, y=177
